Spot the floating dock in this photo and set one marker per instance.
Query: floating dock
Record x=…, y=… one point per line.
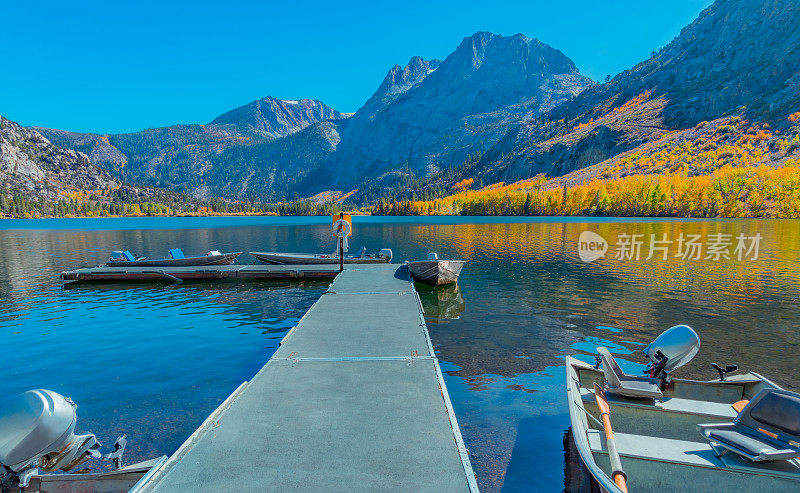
x=200, y=273
x=353, y=400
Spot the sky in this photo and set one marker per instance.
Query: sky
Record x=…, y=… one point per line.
x=124, y=66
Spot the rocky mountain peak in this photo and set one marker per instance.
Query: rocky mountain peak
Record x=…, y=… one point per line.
x=274, y=118
x=398, y=81
x=429, y=116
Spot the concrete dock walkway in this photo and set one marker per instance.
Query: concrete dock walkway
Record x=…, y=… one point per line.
x=353, y=400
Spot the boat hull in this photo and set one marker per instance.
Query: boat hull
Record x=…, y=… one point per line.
x=436, y=272
x=222, y=259
x=312, y=259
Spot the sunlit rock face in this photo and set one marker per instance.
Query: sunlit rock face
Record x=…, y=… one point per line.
x=433, y=114
x=33, y=167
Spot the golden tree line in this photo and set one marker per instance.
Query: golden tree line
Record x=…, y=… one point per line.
x=694, y=178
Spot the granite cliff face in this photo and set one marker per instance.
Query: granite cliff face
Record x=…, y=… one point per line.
x=432, y=115
x=274, y=118
x=32, y=166
x=737, y=53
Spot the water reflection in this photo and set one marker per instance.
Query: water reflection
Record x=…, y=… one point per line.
x=442, y=304
x=153, y=360
x=532, y=300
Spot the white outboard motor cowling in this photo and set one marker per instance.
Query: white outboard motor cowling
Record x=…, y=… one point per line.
x=37, y=430
x=674, y=348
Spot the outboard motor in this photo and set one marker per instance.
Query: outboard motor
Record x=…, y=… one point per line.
x=37, y=431
x=674, y=348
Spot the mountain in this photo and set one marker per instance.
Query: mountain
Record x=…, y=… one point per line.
x=192, y=158
x=426, y=116
x=33, y=167
x=274, y=118
x=398, y=81
x=433, y=115
x=498, y=108
x=38, y=176
x=737, y=56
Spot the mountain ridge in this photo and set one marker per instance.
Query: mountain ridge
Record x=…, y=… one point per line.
x=275, y=118
x=497, y=109
x=427, y=115
x=735, y=53
x=457, y=109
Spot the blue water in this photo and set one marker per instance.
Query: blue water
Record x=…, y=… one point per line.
x=153, y=360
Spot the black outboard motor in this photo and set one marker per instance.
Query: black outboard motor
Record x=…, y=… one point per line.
x=674, y=348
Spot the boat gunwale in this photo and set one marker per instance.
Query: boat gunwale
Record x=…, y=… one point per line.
x=580, y=436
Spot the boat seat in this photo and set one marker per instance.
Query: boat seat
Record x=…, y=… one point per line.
x=128, y=256
x=767, y=429
x=176, y=253
x=618, y=382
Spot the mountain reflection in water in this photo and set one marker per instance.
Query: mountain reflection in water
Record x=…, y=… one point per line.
x=153, y=360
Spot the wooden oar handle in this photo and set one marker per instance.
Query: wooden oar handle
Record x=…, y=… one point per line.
x=619, y=476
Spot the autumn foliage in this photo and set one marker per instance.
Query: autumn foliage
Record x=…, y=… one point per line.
x=693, y=178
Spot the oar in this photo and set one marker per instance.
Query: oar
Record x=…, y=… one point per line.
x=616, y=466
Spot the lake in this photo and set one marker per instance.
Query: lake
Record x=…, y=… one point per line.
x=153, y=360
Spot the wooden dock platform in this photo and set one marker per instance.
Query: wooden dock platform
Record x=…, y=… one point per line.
x=353, y=400
x=198, y=273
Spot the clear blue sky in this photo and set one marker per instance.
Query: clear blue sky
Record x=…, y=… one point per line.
x=125, y=66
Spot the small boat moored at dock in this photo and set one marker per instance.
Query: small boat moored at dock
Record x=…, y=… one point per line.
x=382, y=257
x=738, y=433
x=176, y=259
x=435, y=272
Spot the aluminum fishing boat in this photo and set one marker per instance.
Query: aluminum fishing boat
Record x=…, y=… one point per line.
x=736, y=433
x=176, y=259
x=382, y=257
x=435, y=272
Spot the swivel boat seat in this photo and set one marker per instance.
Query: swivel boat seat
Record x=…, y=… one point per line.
x=620, y=383
x=767, y=429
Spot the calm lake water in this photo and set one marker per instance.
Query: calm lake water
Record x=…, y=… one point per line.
x=154, y=360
